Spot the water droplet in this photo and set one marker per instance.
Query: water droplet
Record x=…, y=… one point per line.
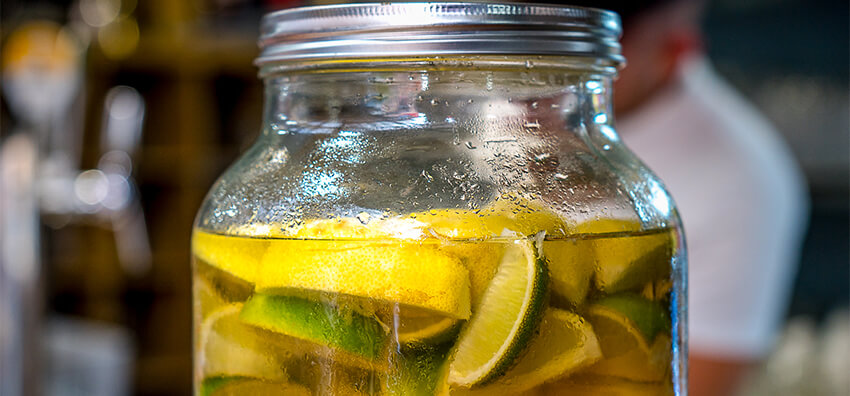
x=534, y=105
x=363, y=217
x=531, y=125
x=434, y=102
x=529, y=64
x=606, y=147
x=427, y=176
x=561, y=176
x=541, y=157
x=555, y=106
x=469, y=101
x=469, y=145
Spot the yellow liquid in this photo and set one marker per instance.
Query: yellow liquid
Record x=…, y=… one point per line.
x=334, y=317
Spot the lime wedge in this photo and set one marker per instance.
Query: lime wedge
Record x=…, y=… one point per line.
x=409, y=273
x=634, y=334
x=228, y=348
x=239, y=256
x=238, y=386
x=505, y=320
x=570, y=267
x=627, y=262
x=565, y=343
x=339, y=327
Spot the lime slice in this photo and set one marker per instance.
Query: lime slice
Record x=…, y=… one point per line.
x=339, y=327
x=570, y=267
x=627, y=262
x=565, y=343
x=238, y=386
x=634, y=335
x=238, y=255
x=415, y=274
x=228, y=348
x=506, y=319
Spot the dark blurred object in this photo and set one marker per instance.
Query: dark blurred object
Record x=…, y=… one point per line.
x=791, y=59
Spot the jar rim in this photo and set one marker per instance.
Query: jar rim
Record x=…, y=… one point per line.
x=382, y=30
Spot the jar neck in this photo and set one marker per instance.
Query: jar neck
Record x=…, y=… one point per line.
x=466, y=93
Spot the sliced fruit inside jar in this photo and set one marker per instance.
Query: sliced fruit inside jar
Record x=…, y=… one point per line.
x=339, y=327
x=410, y=325
x=592, y=385
x=565, y=344
x=627, y=263
x=571, y=265
x=635, y=340
x=228, y=348
x=505, y=320
x=237, y=255
x=410, y=273
x=238, y=386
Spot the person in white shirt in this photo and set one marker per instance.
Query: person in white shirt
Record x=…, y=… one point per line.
x=742, y=199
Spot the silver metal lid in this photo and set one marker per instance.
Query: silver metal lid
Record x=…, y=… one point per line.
x=383, y=30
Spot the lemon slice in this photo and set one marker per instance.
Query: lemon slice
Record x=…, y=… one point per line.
x=338, y=327
x=228, y=348
x=506, y=319
x=409, y=273
x=237, y=255
x=634, y=335
x=627, y=262
x=570, y=267
x=238, y=386
x=565, y=343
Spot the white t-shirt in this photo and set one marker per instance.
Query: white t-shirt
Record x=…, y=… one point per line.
x=743, y=204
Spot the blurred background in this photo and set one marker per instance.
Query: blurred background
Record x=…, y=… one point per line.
x=117, y=115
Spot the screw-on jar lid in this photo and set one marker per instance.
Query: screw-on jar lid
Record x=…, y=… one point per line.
x=380, y=30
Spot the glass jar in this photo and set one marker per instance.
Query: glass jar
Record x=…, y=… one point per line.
x=438, y=203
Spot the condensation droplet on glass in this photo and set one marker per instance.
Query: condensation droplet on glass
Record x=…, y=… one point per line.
x=469, y=101
x=363, y=217
x=541, y=157
x=489, y=84
x=534, y=105
x=469, y=145
x=561, y=176
x=529, y=64
x=531, y=125
x=555, y=106
x=606, y=147
x=291, y=122
x=428, y=177
x=435, y=102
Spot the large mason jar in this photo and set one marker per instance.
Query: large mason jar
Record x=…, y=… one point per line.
x=438, y=204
